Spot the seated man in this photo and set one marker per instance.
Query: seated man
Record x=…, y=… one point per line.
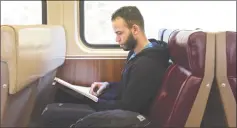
x=144, y=69
x=145, y=66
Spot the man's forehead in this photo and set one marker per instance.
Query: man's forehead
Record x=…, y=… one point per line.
x=119, y=23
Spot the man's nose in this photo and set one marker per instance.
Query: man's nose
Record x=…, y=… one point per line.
x=118, y=39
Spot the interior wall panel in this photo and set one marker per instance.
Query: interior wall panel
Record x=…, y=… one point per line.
x=86, y=71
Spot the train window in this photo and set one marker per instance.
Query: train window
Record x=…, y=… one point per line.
x=96, y=27
x=23, y=12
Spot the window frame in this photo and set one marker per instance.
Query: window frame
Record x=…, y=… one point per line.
x=44, y=12
x=82, y=32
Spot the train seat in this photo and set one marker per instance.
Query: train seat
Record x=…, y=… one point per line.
x=28, y=53
x=226, y=73
x=160, y=34
x=187, y=81
x=164, y=34
x=231, y=59
x=229, y=56
x=167, y=34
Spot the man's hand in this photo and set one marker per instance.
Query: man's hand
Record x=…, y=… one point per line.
x=98, y=87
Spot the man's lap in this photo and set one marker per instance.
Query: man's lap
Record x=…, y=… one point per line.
x=70, y=106
x=63, y=114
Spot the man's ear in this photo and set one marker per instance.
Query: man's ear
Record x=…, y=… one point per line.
x=135, y=29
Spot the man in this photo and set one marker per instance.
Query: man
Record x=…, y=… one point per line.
x=144, y=69
x=141, y=77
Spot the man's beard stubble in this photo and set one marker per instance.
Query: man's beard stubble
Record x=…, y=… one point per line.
x=130, y=44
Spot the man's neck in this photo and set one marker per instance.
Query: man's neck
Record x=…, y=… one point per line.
x=140, y=45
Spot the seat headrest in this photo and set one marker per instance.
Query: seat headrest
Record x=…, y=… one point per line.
x=164, y=34
x=31, y=51
x=187, y=49
x=167, y=34
x=161, y=33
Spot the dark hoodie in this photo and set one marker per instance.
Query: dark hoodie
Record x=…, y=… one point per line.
x=141, y=79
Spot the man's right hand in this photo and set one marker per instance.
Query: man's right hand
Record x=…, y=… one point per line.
x=98, y=87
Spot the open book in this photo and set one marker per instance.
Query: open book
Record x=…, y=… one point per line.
x=80, y=89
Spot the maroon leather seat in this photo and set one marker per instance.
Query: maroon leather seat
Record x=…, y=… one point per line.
x=231, y=60
x=226, y=73
x=182, y=80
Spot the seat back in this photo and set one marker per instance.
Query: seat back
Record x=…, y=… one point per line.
x=168, y=33
x=226, y=73
x=28, y=53
x=160, y=34
x=164, y=34
x=187, y=81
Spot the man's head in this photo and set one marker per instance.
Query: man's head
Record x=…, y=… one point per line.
x=128, y=25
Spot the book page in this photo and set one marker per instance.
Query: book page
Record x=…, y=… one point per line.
x=80, y=89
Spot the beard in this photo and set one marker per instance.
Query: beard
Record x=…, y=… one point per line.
x=130, y=43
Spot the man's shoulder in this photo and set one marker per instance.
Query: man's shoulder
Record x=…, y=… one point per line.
x=145, y=63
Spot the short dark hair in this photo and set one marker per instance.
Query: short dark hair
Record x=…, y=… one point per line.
x=131, y=16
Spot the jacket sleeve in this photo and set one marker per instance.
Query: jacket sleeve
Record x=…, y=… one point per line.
x=144, y=79
x=112, y=84
x=112, y=92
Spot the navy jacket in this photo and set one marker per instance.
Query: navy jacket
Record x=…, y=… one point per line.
x=141, y=78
